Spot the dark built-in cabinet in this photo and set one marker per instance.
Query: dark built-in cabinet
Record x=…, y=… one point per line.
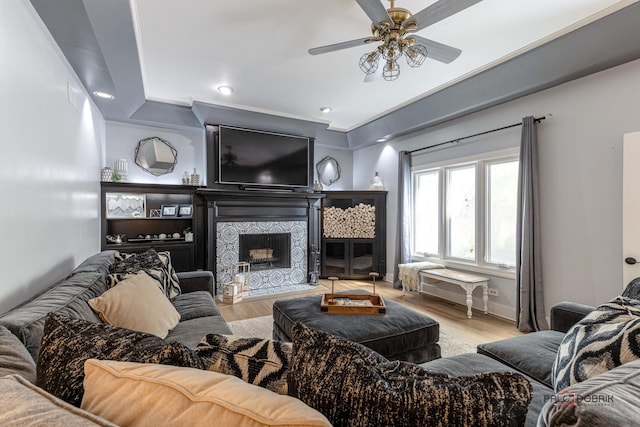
x=353, y=234
x=137, y=217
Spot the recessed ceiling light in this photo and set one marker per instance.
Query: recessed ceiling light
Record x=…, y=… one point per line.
x=104, y=95
x=325, y=109
x=381, y=139
x=225, y=90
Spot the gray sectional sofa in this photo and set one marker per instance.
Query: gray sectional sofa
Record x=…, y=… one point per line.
x=531, y=355
x=199, y=314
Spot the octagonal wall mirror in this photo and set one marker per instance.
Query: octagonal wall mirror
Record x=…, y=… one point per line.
x=156, y=156
x=328, y=170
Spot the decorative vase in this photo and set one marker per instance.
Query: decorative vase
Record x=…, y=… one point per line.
x=107, y=174
x=186, y=179
x=317, y=185
x=195, y=178
x=121, y=169
x=376, y=183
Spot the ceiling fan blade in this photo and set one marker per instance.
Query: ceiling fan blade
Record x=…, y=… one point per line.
x=438, y=51
x=340, y=46
x=375, y=11
x=437, y=12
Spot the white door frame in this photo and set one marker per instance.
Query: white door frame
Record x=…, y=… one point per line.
x=630, y=206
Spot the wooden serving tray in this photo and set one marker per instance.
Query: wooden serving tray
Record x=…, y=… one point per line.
x=352, y=304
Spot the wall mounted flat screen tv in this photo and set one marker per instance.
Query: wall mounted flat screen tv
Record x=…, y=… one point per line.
x=251, y=157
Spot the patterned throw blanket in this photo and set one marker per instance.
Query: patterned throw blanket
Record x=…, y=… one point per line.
x=409, y=273
x=607, y=337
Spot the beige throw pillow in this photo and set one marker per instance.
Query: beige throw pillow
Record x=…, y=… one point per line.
x=186, y=397
x=137, y=304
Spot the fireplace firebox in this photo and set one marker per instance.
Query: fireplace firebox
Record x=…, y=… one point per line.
x=265, y=251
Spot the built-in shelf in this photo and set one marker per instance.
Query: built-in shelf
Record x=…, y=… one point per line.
x=126, y=214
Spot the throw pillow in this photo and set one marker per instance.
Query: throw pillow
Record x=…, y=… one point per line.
x=355, y=386
x=137, y=303
x=257, y=361
x=67, y=343
x=166, y=395
x=23, y=404
x=14, y=357
x=155, y=265
x=607, y=337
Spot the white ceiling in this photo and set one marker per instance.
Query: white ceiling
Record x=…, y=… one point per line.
x=259, y=47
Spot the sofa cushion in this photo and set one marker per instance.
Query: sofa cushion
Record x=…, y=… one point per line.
x=97, y=263
x=186, y=397
x=138, y=304
x=607, y=337
x=25, y=405
x=195, y=304
x=68, y=298
x=608, y=399
x=67, y=343
x=260, y=362
x=468, y=364
x=14, y=357
x=536, y=362
x=190, y=332
x=155, y=264
x=355, y=386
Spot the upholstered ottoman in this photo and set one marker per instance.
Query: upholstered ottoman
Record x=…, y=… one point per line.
x=400, y=334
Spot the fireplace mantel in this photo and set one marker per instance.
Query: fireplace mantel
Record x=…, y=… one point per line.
x=261, y=206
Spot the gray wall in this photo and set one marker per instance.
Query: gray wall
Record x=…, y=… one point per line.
x=122, y=139
x=52, y=154
x=580, y=150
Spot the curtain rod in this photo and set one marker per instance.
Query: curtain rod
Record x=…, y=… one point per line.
x=536, y=119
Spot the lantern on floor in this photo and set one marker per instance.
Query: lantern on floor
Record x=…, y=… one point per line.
x=230, y=293
x=241, y=275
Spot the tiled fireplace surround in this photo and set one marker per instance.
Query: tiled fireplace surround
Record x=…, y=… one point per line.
x=232, y=213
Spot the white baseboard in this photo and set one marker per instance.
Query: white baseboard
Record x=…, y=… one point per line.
x=496, y=309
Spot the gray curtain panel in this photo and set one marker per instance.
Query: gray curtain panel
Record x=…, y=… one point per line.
x=403, y=235
x=530, y=314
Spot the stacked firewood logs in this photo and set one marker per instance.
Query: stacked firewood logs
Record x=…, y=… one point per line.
x=357, y=222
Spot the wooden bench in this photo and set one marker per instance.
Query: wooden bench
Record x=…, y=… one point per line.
x=466, y=281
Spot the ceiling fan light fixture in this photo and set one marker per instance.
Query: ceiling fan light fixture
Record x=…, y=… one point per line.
x=391, y=70
x=416, y=55
x=369, y=62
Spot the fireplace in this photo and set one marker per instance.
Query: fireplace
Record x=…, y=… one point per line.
x=266, y=251
x=277, y=232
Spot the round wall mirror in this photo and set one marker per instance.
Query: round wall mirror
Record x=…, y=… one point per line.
x=156, y=156
x=328, y=170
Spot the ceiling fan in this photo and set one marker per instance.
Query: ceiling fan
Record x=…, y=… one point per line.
x=393, y=27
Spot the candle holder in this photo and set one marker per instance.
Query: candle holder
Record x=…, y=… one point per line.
x=333, y=280
x=373, y=275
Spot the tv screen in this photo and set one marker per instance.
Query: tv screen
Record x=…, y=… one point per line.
x=250, y=157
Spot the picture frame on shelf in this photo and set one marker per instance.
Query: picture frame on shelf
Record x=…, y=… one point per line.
x=169, y=210
x=155, y=213
x=125, y=205
x=185, y=211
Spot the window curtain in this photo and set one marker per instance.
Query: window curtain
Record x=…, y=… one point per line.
x=403, y=235
x=530, y=313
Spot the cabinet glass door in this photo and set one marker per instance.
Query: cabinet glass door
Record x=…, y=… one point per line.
x=335, y=258
x=362, y=258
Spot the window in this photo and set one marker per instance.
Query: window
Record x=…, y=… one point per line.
x=467, y=212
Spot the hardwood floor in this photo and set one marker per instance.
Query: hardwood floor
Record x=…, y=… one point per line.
x=452, y=317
